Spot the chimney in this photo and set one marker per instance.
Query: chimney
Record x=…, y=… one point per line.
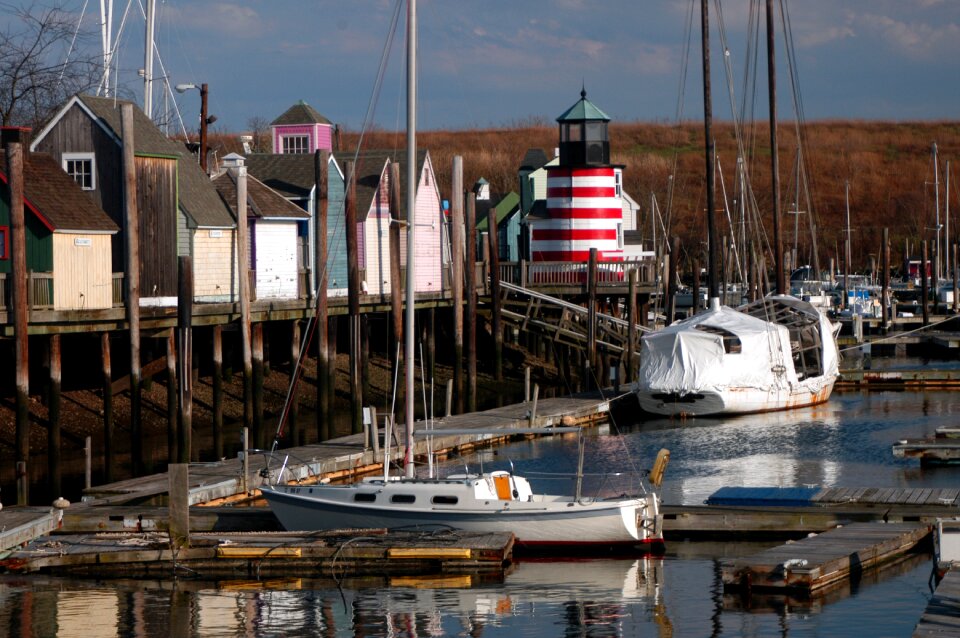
x=232, y=160
x=14, y=135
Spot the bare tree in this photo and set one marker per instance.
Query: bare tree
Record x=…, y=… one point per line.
x=260, y=130
x=39, y=65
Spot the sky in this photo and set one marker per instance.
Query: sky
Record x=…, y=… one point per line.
x=497, y=63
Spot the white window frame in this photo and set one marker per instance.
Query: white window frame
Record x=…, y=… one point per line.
x=81, y=157
x=305, y=146
x=618, y=178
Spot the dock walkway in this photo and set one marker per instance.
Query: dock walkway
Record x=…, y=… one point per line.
x=823, y=560
x=219, y=482
x=941, y=618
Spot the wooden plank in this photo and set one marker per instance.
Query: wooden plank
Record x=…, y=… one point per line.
x=231, y=551
x=941, y=618
x=819, y=561
x=428, y=552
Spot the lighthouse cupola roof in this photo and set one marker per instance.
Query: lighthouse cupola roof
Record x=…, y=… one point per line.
x=584, y=140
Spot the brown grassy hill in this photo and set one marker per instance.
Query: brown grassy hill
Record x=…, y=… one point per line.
x=888, y=166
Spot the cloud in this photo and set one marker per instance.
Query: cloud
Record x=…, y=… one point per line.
x=919, y=40
x=222, y=18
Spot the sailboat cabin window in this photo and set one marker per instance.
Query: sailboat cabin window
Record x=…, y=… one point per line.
x=731, y=342
x=403, y=498
x=365, y=497
x=444, y=499
x=80, y=167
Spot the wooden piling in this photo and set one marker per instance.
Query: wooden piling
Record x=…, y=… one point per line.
x=53, y=418
x=132, y=279
x=321, y=161
x=107, y=385
x=185, y=452
x=293, y=412
x=885, y=280
x=243, y=260
x=471, y=335
x=217, y=383
x=172, y=417
x=924, y=284
x=631, y=323
x=353, y=298
x=456, y=275
x=396, y=283
x=18, y=273
x=179, y=490
x=591, y=358
x=256, y=342
x=495, y=303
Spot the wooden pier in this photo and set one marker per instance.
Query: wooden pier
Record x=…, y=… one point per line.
x=942, y=449
x=372, y=551
x=941, y=618
x=346, y=457
x=19, y=525
x=823, y=560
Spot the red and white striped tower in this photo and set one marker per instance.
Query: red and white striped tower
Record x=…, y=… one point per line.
x=584, y=208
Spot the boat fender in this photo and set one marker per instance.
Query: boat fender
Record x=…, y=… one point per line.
x=659, y=467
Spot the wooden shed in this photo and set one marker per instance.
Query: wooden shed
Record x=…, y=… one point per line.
x=507, y=211
x=293, y=177
x=179, y=210
x=275, y=256
x=68, y=238
x=432, y=248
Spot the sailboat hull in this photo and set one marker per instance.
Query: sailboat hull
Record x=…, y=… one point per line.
x=430, y=503
x=736, y=400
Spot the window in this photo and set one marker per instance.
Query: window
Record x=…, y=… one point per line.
x=620, y=235
x=4, y=242
x=618, y=177
x=444, y=500
x=403, y=498
x=296, y=144
x=80, y=167
x=365, y=497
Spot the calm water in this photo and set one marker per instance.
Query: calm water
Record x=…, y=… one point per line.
x=845, y=443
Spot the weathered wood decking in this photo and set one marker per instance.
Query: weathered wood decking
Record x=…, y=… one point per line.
x=215, y=483
x=373, y=551
x=820, y=561
x=943, y=448
x=20, y=525
x=941, y=618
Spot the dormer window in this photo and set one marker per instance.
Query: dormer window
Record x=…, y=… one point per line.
x=296, y=144
x=4, y=243
x=80, y=166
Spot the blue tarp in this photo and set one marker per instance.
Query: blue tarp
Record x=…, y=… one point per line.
x=764, y=496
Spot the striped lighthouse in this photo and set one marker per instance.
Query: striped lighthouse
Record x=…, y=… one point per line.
x=584, y=208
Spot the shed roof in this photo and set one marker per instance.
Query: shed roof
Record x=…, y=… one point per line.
x=56, y=199
x=197, y=197
x=291, y=174
x=369, y=168
x=262, y=201
x=584, y=109
x=300, y=113
x=507, y=205
x=533, y=159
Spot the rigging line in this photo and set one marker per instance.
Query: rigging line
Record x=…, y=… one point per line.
x=114, y=59
x=733, y=231
x=73, y=40
x=684, y=67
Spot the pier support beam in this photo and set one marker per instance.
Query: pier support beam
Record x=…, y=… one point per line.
x=172, y=419
x=471, y=302
x=631, y=325
x=109, y=461
x=14, y=152
x=256, y=338
x=496, y=326
x=132, y=280
x=396, y=285
x=53, y=418
x=456, y=221
x=321, y=323
x=185, y=452
x=591, y=360
x=217, y=383
x=294, y=436
x=353, y=298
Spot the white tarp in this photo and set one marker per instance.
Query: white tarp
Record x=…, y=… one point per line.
x=683, y=359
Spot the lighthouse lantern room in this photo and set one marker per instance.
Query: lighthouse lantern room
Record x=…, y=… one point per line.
x=584, y=207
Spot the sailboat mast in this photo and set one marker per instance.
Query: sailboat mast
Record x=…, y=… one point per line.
x=408, y=352
x=151, y=13
x=713, y=249
x=936, y=208
x=774, y=163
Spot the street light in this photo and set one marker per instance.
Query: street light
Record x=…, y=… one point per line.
x=204, y=119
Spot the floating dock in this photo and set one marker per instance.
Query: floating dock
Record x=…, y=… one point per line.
x=941, y=618
x=821, y=561
x=264, y=554
x=19, y=525
x=942, y=449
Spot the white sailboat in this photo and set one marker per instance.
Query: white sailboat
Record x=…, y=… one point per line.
x=776, y=353
x=497, y=501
